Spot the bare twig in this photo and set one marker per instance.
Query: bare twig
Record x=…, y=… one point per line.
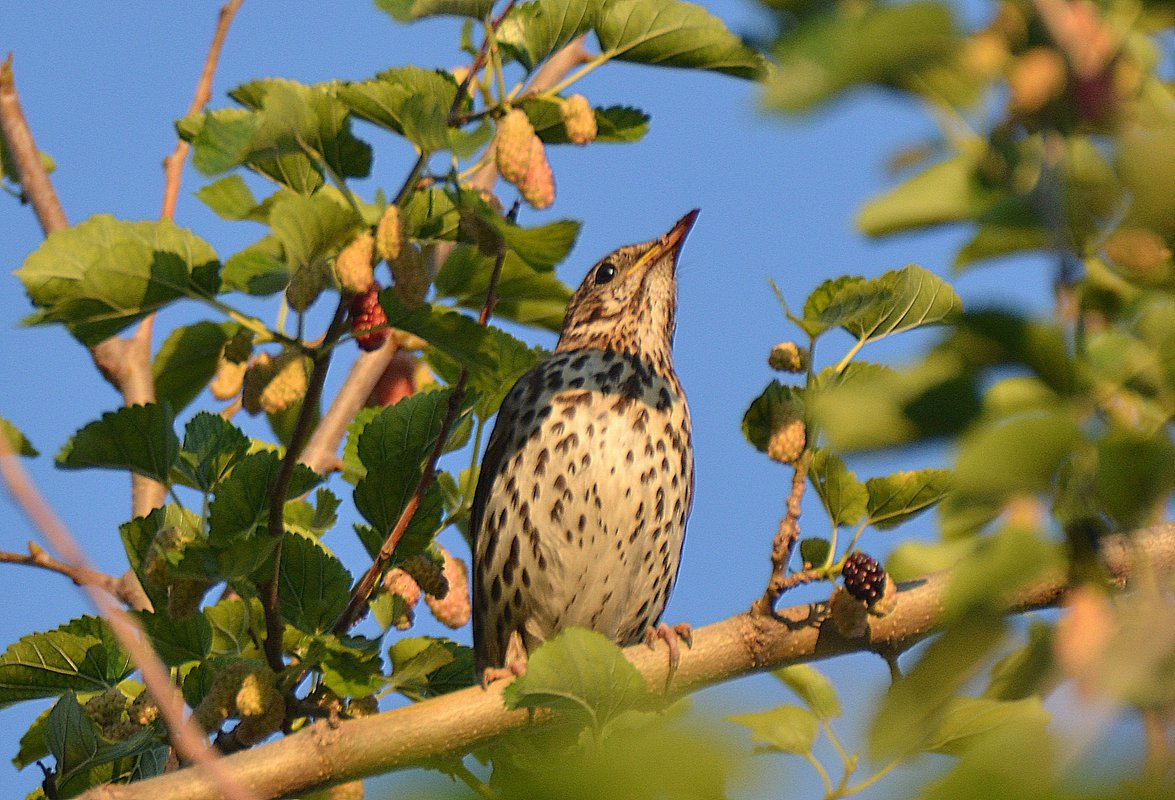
x=455, y=723
x=80, y=575
x=187, y=739
x=34, y=180
x=173, y=165
x=785, y=541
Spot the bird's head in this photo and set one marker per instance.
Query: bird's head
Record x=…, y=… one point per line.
x=628, y=300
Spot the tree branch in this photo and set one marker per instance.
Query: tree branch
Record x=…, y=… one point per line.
x=455, y=723
x=785, y=541
x=126, y=592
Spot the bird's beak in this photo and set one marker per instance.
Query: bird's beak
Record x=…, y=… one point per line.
x=670, y=243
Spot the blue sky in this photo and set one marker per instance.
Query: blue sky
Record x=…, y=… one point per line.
x=102, y=83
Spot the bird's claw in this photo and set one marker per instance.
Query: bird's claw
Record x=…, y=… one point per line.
x=670, y=635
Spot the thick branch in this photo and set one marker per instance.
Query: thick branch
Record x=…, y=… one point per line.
x=455, y=723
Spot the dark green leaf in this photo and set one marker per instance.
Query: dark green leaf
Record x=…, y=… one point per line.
x=237, y=626
x=1134, y=475
x=1029, y=671
x=81, y=655
x=673, y=33
x=212, y=446
x=820, y=299
x=187, y=360
x=815, y=551
x=1011, y=225
x=896, y=498
x=407, y=10
x=241, y=502
x=18, y=444
x=103, y=275
x=138, y=537
x=178, y=641
x=138, y=438
x=786, y=729
x=32, y=743
x=767, y=412
x=996, y=567
x=80, y=752
x=899, y=300
x=313, y=585
x=580, y=673
x=813, y=687
x=426, y=667
x=844, y=497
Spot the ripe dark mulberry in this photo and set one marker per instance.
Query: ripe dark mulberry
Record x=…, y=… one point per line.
x=368, y=314
x=864, y=577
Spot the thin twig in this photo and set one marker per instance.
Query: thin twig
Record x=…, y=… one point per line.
x=277, y=501
x=187, y=739
x=173, y=165
x=366, y=585
x=34, y=179
x=785, y=541
x=80, y=575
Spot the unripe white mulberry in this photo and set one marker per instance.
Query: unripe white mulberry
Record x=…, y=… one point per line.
x=287, y=385
x=388, y=234
x=411, y=276
x=787, y=442
x=353, y=265
x=512, y=147
x=579, y=119
x=538, y=189
x=226, y=383
x=788, y=357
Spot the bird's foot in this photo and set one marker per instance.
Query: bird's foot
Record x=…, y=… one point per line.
x=671, y=635
x=514, y=669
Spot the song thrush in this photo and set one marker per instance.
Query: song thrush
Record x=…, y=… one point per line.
x=586, y=484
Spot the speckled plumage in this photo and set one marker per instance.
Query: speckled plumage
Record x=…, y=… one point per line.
x=587, y=480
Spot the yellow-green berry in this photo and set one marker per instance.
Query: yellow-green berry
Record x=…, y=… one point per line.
x=788, y=357
x=353, y=264
x=538, y=189
x=287, y=385
x=512, y=147
x=388, y=234
x=578, y=119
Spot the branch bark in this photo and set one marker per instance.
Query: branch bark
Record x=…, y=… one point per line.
x=326, y=754
x=126, y=588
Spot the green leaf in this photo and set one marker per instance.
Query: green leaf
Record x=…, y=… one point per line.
x=81, y=655
x=543, y=247
x=673, y=33
x=968, y=720
x=819, y=300
x=32, y=742
x=524, y=295
x=815, y=551
x=900, y=300
x=1134, y=474
x=103, y=275
x=1029, y=671
x=912, y=560
x=394, y=449
x=844, y=497
x=259, y=269
x=80, y=751
x=230, y=198
x=1011, y=225
x=912, y=711
x=408, y=10
x=18, y=443
x=138, y=536
x=777, y=402
x=313, y=585
x=410, y=101
x=613, y=124
x=813, y=687
x=212, y=446
x=896, y=498
x=138, y=438
x=178, y=641
x=311, y=228
x=301, y=517
x=829, y=53
x=582, y=674
x=993, y=461
x=351, y=666
x=426, y=667
x=241, y=502
x=996, y=567
x=237, y=626
x=187, y=360
x=533, y=31
x=945, y=192
x=786, y=729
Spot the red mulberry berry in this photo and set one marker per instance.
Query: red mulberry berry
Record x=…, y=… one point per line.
x=368, y=321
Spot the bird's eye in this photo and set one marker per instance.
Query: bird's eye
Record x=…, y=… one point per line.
x=605, y=273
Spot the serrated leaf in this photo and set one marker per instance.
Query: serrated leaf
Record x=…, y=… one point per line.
x=813, y=687
x=316, y=520
x=310, y=228
x=18, y=443
x=313, y=585
x=138, y=535
x=819, y=300
x=103, y=275
x=426, y=667
x=533, y=31
x=582, y=674
x=241, y=501
x=968, y=720
x=178, y=641
x=212, y=446
x=137, y=438
x=673, y=33
x=230, y=198
x=898, y=301
x=410, y=101
x=351, y=666
x=786, y=729
x=613, y=124
x=776, y=403
x=823, y=55
x=844, y=497
x=895, y=498
x=523, y=295
x=187, y=360
x=82, y=655
x=394, y=449
x=32, y=742
x=260, y=269
x=408, y=10
x=542, y=247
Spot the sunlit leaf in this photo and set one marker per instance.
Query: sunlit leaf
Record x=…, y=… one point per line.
x=407, y=10
x=844, y=497
x=535, y=30
x=18, y=443
x=82, y=655
x=813, y=687
x=786, y=729
x=896, y=498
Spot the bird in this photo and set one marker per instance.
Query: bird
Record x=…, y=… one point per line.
x=587, y=480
